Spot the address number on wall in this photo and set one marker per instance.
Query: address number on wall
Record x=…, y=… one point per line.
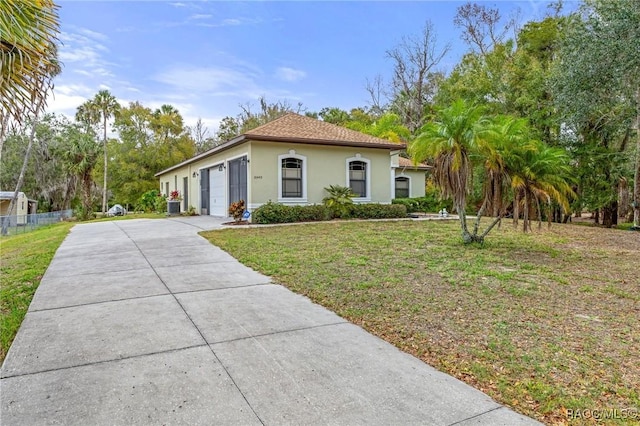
x=257, y=177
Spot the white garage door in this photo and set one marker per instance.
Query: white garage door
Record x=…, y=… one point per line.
x=217, y=205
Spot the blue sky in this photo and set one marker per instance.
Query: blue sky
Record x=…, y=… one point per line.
x=206, y=58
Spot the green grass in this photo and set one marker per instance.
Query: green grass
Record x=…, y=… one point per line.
x=23, y=260
x=542, y=322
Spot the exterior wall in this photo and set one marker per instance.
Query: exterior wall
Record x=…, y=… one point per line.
x=188, y=171
x=325, y=165
x=21, y=206
x=417, y=181
x=20, y=210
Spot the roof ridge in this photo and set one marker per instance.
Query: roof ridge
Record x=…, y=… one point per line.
x=248, y=132
x=331, y=131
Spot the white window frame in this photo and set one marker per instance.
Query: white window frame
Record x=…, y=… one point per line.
x=293, y=200
x=358, y=157
x=402, y=175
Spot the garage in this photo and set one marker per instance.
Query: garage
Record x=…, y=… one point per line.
x=217, y=204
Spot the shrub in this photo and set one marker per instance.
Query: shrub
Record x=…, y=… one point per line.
x=280, y=213
x=377, y=211
x=152, y=201
x=428, y=203
x=236, y=210
x=338, y=200
x=83, y=214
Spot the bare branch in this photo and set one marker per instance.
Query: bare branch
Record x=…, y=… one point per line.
x=415, y=77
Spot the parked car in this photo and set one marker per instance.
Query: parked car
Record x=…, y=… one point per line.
x=116, y=210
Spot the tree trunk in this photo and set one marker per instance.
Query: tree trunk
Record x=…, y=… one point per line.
x=623, y=198
x=25, y=163
x=610, y=215
x=525, y=218
x=104, y=184
x=636, y=176
x=86, y=195
x=516, y=209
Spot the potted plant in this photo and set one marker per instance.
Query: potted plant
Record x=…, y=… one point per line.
x=173, y=203
x=236, y=210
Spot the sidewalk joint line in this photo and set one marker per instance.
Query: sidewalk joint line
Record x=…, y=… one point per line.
x=223, y=288
x=279, y=332
x=88, y=364
x=196, y=327
x=96, y=273
x=477, y=415
x=100, y=302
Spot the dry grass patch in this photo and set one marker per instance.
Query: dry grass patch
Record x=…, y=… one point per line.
x=542, y=322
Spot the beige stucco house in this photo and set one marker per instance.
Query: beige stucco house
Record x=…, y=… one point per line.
x=291, y=160
x=23, y=206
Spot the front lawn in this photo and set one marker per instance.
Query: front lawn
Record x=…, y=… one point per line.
x=544, y=322
x=24, y=258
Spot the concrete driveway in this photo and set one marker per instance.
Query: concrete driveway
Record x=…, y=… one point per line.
x=145, y=322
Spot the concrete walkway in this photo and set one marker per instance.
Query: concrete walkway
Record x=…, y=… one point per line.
x=145, y=322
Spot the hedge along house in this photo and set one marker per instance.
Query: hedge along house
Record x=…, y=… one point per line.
x=291, y=160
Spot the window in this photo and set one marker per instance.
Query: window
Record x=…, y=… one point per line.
x=166, y=192
x=358, y=178
x=402, y=187
x=291, y=178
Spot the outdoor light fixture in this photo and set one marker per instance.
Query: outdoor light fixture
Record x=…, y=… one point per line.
x=194, y=175
x=221, y=167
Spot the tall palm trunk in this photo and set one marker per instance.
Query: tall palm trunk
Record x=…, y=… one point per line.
x=104, y=184
x=86, y=194
x=636, y=177
x=525, y=212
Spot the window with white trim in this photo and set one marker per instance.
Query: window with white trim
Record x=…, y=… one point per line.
x=291, y=177
x=358, y=178
x=402, y=187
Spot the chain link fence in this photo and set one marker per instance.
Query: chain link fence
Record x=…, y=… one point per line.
x=19, y=224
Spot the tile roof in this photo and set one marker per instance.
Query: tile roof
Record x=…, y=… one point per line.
x=408, y=163
x=295, y=127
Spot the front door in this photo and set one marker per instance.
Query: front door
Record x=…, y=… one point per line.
x=204, y=192
x=238, y=180
x=185, y=194
x=217, y=203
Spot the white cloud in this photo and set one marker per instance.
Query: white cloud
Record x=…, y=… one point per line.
x=290, y=74
x=232, y=21
x=200, y=16
x=83, y=54
x=209, y=80
x=93, y=34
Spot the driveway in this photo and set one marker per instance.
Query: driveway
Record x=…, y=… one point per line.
x=145, y=322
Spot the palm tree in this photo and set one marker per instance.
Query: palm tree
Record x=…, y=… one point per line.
x=88, y=115
x=28, y=63
x=450, y=141
x=539, y=173
x=107, y=106
x=505, y=134
x=167, y=121
x=28, y=54
x=80, y=153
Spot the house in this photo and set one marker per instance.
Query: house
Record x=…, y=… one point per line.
x=22, y=208
x=291, y=160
